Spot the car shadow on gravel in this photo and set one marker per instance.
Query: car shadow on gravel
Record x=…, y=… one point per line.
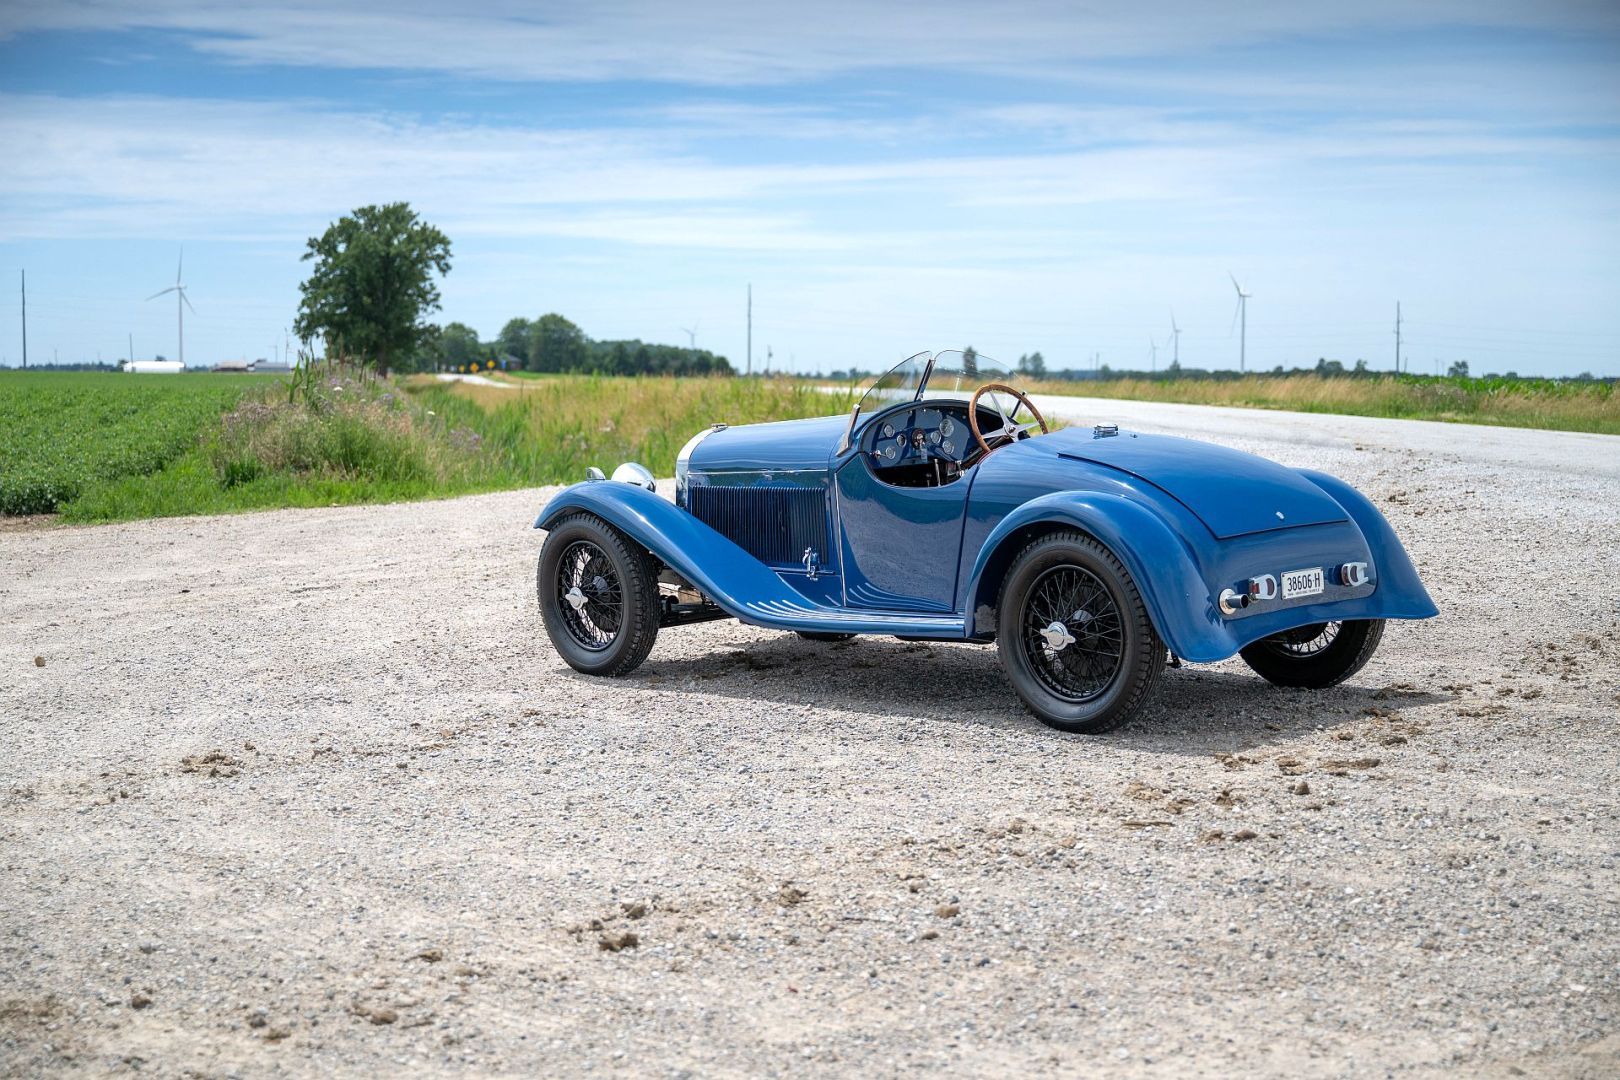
x=1197, y=711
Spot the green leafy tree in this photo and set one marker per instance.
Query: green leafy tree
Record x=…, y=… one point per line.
x=514, y=338
x=1459, y=370
x=555, y=344
x=458, y=344
x=1033, y=365
x=373, y=283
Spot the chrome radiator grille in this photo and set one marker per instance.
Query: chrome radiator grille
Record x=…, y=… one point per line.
x=773, y=524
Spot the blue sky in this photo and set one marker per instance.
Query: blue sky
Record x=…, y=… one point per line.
x=889, y=178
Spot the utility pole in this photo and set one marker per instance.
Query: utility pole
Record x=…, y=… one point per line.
x=132, y=348
x=1397, y=337
x=750, y=328
x=25, y=315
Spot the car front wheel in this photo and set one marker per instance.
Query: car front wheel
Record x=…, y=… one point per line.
x=1075, y=637
x=598, y=596
x=1315, y=657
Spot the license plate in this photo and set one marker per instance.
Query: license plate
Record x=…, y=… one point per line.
x=1301, y=583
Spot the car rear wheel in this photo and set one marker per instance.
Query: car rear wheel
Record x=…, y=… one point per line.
x=598, y=596
x=1315, y=657
x=1075, y=637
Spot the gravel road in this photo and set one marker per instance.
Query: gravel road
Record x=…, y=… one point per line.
x=307, y=792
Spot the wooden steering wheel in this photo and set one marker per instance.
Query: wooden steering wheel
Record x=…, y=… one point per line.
x=1010, y=429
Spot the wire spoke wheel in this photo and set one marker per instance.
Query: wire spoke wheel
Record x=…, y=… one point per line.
x=1072, y=633
x=1305, y=640
x=1315, y=656
x=589, y=595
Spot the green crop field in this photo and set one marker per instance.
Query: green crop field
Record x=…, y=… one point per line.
x=62, y=433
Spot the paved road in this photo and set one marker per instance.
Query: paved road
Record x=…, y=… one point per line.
x=1554, y=451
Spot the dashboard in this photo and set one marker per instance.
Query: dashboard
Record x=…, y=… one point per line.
x=924, y=445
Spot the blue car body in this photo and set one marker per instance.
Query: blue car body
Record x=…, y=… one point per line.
x=793, y=526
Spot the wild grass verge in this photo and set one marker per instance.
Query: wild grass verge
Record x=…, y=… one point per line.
x=549, y=430
x=1559, y=405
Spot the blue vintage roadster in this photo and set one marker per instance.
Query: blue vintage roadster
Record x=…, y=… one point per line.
x=943, y=507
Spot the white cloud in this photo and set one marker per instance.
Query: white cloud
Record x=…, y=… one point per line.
x=733, y=42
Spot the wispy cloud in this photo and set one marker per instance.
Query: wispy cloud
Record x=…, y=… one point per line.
x=730, y=42
x=1039, y=169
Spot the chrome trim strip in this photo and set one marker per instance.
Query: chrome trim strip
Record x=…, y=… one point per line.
x=684, y=458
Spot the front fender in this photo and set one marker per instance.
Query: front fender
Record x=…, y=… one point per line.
x=1166, y=574
x=686, y=544
x=740, y=584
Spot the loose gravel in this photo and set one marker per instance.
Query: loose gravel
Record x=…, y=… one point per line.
x=308, y=792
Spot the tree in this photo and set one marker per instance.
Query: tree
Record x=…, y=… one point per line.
x=458, y=344
x=1033, y=365
x=514, y=339
x=1459, y=370
x=373, y=283
x=555, y=344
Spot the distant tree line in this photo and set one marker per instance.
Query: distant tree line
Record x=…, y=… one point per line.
x=1033, y=366
x=552, y=343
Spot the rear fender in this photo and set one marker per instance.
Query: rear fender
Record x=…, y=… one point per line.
x=1166, y=574
x=1400, y=593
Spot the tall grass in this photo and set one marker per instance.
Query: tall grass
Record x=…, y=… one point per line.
x=549, y=430
x=1534, y=403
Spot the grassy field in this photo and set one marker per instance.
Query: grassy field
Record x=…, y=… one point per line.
x=548, y=429
x=107, y=447
x=1530, y=403
x=65, y=433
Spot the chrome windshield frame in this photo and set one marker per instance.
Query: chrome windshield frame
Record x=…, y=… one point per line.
x=998, y=371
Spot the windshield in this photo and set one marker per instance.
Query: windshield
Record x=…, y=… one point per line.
x=950, y=374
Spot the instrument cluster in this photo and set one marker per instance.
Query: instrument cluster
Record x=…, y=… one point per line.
x=921, y=435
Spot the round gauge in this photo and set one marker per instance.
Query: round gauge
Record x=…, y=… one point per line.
x=888, y=452
x=946, y=427
x=888, y=431
x=934, y=437
x=948, y=446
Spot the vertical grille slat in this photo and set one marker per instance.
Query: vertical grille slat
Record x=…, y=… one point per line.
x=773, y=524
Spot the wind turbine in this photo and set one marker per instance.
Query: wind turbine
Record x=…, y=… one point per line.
x=181, y=302
x=1153, y=354
x=691, y=335
x=1175, y=340
x=1242, y=313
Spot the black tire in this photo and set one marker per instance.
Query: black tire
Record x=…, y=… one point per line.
x=1315, y=657
x=819, y=635
x=1109, y=668
x=610, y=627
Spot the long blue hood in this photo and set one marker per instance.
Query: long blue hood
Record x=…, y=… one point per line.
x=1233, y=493
x=786, y=446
